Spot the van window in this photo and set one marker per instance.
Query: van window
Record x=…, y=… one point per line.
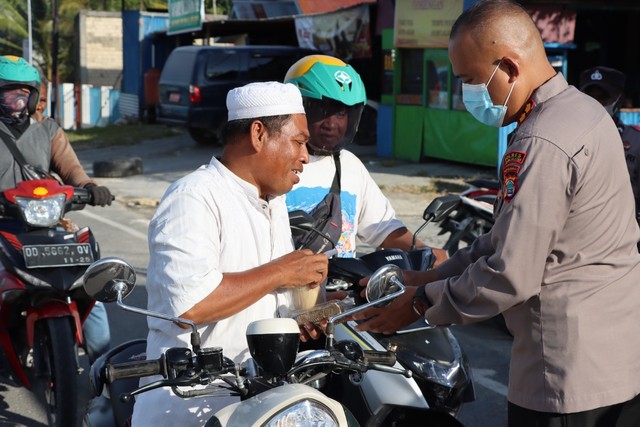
x=178, y=62
x=267, y=67
x=222, y=65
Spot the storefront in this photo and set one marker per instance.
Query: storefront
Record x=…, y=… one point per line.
x=421, y=98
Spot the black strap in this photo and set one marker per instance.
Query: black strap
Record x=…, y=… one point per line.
x=335, y=186
x=11, y=145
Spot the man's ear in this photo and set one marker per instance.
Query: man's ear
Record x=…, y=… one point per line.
x=513, y=68
x=259, y=134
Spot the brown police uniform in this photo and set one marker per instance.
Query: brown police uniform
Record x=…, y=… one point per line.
x=561, y=261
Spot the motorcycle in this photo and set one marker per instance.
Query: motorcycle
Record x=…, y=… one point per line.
x=42, y=302
x=474, y=216
x=441, y=379
x=275, y=387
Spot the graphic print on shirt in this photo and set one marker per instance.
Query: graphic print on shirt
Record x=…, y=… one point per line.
x=306, y=198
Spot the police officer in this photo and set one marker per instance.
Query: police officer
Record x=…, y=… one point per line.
x=561, y=262
x=606, y=85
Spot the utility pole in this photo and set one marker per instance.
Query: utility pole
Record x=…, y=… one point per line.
x=54, y=60
x=30, y=43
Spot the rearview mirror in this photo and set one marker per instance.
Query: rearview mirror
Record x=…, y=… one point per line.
x=382, y=283
x=440, y=207
x=108, y=276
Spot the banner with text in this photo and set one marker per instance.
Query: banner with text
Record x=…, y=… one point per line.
x=185, y=16
x=345, y=34
x=425, y=23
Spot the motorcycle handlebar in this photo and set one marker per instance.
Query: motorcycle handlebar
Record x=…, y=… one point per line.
x=386, y=358
x=136, y=369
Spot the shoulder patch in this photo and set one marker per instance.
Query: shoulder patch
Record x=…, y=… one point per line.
x=511, y=163
x=513, y=157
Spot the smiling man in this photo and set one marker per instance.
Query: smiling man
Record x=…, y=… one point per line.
x=220, y=246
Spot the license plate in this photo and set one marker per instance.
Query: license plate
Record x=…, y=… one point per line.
x=36, y=256
x=174, y=97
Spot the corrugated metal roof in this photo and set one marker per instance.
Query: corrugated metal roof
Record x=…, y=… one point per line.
x=309, y=7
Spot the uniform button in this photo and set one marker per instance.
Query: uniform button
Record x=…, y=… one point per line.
x=586, y=151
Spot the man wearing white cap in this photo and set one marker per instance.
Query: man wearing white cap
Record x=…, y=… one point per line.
x=220, y=246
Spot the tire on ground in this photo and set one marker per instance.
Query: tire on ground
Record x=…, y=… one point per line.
x=118, y=168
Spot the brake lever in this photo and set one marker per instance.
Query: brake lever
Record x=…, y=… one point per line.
x=175, y=382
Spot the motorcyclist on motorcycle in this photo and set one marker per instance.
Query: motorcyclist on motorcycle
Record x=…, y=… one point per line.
x=43, y=144
x=334, y=98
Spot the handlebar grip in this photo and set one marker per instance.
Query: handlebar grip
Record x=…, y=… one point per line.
x=136, y=369
x=387, y=358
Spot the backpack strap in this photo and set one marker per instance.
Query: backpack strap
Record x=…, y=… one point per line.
x=335, y=185
x=11, y=145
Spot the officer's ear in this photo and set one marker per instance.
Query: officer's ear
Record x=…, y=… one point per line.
x=512, y=68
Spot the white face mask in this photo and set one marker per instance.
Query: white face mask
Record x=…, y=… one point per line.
x=478, y=102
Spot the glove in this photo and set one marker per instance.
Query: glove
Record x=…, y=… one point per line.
x=100, y=196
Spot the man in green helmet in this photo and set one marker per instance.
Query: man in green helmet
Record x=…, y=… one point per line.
x=45, y=145
x=334, y=97
x=42, y=144
x=336, y=187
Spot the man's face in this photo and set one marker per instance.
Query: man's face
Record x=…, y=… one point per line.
x=14, y=100
x=42, y=103
x=328, y=125
x=473, y=65
x=285, y=153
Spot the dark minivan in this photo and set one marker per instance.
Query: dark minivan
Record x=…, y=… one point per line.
x=195, y=80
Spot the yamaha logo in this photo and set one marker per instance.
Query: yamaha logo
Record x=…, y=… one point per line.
x=342, y=77
x=393, y=257
x=596, y=75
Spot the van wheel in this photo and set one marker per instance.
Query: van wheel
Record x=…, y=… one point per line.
x=118, y=168
x=204, y=136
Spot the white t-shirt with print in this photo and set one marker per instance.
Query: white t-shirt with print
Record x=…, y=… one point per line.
x=366, y=212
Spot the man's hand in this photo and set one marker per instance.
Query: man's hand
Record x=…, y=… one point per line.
x=389, y=319
x=312, y=331
x=441, y=256
x=100, y=196
x=302, y=268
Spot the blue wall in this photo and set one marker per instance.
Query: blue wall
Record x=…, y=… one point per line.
x=137, y=46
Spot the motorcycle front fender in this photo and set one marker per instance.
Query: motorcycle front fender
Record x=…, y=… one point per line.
x=54, y=308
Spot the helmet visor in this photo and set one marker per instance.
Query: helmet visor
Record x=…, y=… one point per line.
x=332, y=124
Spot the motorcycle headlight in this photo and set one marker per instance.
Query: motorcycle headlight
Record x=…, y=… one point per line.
x=42, y=212
x=304, y=413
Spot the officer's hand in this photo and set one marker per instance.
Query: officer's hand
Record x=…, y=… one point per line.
x=100, y=196
x=389, y=319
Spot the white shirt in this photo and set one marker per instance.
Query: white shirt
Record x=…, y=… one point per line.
x=208, y=223
x=366, y=212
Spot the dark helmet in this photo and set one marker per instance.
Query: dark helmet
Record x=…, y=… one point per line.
x=327, y=85
x=15, y=71
x=604, y=84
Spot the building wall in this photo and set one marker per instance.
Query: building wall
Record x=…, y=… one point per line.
x=100, y=48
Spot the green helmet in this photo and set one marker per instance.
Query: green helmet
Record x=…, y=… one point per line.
x=15, y=71
x=330, y=88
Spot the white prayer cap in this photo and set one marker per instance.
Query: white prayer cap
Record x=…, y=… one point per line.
x=264, y=99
